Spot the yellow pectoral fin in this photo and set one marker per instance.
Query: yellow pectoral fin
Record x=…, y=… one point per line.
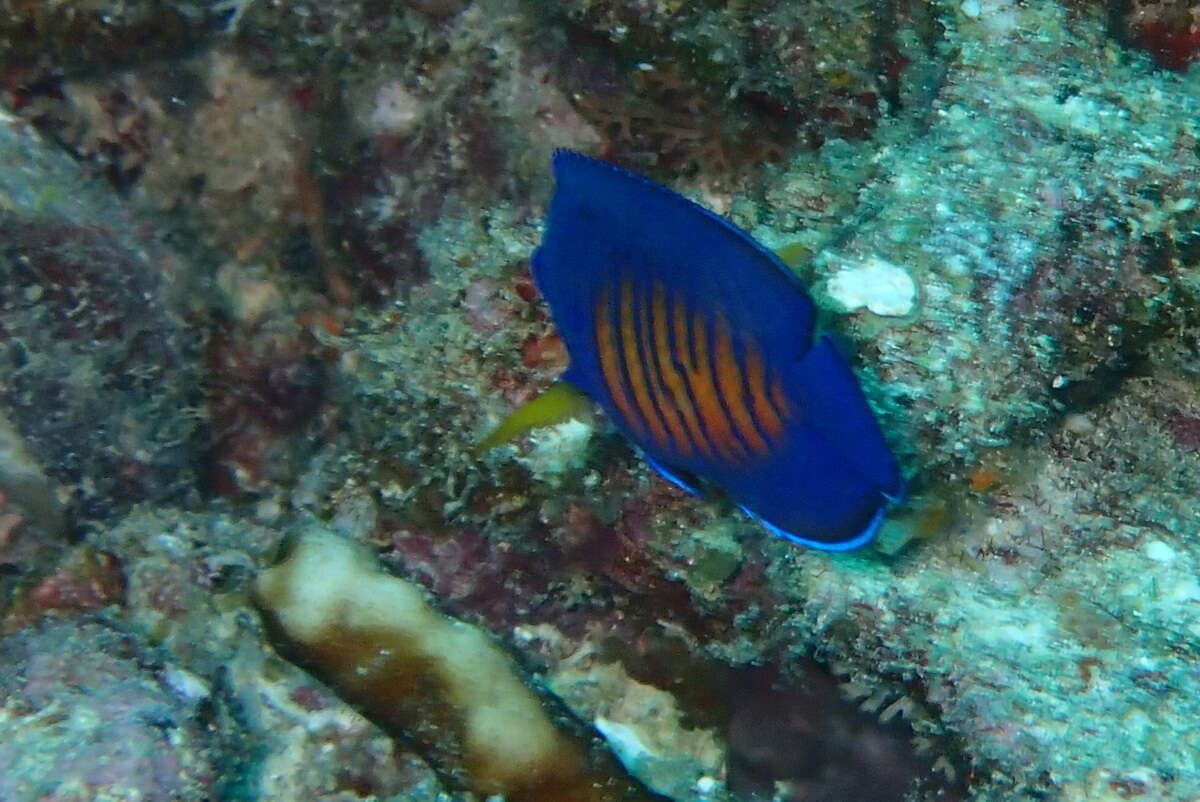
x=560, y=402
x=794, y=254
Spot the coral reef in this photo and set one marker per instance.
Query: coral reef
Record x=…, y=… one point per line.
x=83, y=718
x=710, y=89
x=341, y=289
x=1029, y=296
x=1030, y=303
x=272, y=732
x=41, y=41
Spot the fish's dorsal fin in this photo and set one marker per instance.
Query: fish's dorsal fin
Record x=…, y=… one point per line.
x=604, y=221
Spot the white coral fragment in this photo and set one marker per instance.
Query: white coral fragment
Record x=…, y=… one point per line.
x=882, y=287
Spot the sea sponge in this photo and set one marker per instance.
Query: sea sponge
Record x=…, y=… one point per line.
x=442, y=684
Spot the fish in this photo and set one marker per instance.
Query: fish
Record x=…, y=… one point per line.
x=699, y=345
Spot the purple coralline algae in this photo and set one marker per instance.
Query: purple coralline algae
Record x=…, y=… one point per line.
x=84, y=718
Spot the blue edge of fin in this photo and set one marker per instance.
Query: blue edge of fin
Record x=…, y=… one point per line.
x=859, y=540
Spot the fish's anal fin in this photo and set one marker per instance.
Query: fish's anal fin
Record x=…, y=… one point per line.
x=681, y=478
x=560, y=402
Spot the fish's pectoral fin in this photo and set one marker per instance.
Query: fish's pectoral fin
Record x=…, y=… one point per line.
x=559, y=402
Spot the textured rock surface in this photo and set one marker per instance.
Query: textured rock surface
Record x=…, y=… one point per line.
x=1027, y=627
x=98, y=368
x=277, y=733
x=1047, y=219
x=42, y=41
x=84, y=717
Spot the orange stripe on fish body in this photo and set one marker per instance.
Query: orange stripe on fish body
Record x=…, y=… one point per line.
x=732, y=388
x=610, y=362
x=704, y=389
x=668, y=368
x=766, y=412
x=652, y=343
x=634, y=369
x=684, y=359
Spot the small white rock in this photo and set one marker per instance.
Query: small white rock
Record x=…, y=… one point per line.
x=558, y=449
x=1078, y=424
x=882, y=287
x=186, y=685
x=971, y=8
x=1159, y=551
x=624, y=741
x=396, y=110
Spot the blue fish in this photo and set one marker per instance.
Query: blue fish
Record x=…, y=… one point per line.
x=698, y=343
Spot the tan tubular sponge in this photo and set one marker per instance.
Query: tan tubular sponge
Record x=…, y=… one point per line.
x=443, y=685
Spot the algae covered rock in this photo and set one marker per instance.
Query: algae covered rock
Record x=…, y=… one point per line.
x=994, y=203
x=1044, y=218
x=39, y=40
x=83, y=718
x=99, y=367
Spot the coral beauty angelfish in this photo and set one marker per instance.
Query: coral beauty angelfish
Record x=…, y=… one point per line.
x=698, y=343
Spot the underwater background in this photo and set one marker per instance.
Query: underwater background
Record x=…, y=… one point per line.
x=265, y=289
